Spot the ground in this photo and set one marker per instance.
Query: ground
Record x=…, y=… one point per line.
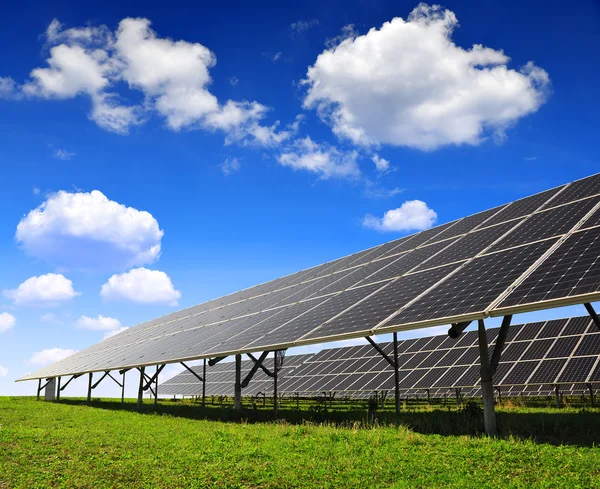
x=70, y=444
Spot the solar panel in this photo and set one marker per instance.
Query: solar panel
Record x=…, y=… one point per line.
x=572, y=270
x=577, y=369
x=473, y=287
x=547, y=272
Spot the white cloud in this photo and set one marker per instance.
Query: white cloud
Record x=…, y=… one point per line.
x=3, y=371
x=110, y=334
x=50, y=290
x=375, y=191
x=412, y=215
x=62, y=154
x=8, y=88
x=230, y=165
x=87, y=230
x=173, y=77
x=301, y=26
x=348, y=32
x=7, y=321
x=51, y=318
x=101, y=323
x=408, y=84
x=36, y=191
x=530, y=158
x=233, y=81
x=381, y=164
x=141, y=285
x=322, y=159
x=46, y=357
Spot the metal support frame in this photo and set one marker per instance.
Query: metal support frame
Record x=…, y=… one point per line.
x=456, y=329
x=73, y=377
x=394, y=363
x=590, y=309
x=261, y=365
x=58, y=389
x=254, y=369
x=123, y=387
x=213, y=361
x=90, y=387
x=204, y=384
x=275, y=397
x=151, y=380
x=237, y=396
x=591, y=389
x=488, y=367
x=458, y=399
x=140, y=399
x=557, y=396
x=41, y=387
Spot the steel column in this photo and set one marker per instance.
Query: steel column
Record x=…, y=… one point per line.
x=156, y=387
x=89, y=393
x=140, y=398
x=557, y=396
x=204, y=384
x=275, y=398
x=58, y=390
x=123, y=388
x=39, y=388
x=591, y=389
x=237, y=399
x=396, y=376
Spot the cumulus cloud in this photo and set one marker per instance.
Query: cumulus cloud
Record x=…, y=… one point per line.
x=230, y=165
x=322, y=159
x=110, y=334
x=7, y=321
x=62, y=154
x=49, y=290
x=381, y=164
x=348, y=32
x=409, y=84
x=87, y=230
x=173, y=77
x=141, y=285
x=8, y=88
x=51, y=318
x=101, y=323
x=412, y=215
x=46, y=357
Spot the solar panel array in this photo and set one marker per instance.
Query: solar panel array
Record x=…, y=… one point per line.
x=536, y=357
x=565, y=351
x=220, y=378
x=536, y=252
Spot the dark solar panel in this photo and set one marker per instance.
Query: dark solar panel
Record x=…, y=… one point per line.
x=553, y=222
x=563, y=347
x=467, y=224
x=470, y=378
x=552, y=329
x=547, y=371
x=577, y=369
x=538, y=350
x=578, y=190
x=468, y=246
x=520, y=373
x=577, y=326
x=572, y=269
x=420, y=238
x=522, y=207
x=370, y=312
x=474, y=286
x=529, y=331
x=514, y=351
x=590, y=345
x=593, y=220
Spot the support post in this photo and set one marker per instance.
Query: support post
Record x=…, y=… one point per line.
x=275, y=397
x=50, y=389
x=396, y=376
x=591, y=389
x=457, y=396
x=156, y=387
x=58, y=390
x=140, y=398
x=89, y=392
x=237, y=399
x=557, y=396
x=123, y=388
x=204, y=384
x=487, y=382
x=592, y=313
x=488, y=367
x=39, y=388
x=428, y=396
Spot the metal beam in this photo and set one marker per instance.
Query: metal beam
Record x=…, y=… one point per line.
x=213, y=361
x=204, y=384
x=89, y=392
x=592, y=313
x=151, y=380
x=58, y=390
x=396, y=375
x=201, y=379
x=101, y=379
x=262, y=367
x=456, y=330
x=503, y=333
x=254, y=369
x=69, y=381
x=123, y=372
x=487, y=382
x=116, y=381
x=140, y=398
x=237, y=389
x=380, y=351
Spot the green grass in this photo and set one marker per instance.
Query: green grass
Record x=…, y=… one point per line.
x=68, y=444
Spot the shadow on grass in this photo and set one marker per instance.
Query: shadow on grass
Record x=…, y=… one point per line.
x=554, y=427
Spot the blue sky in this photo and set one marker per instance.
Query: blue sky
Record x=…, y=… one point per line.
x=233, y=143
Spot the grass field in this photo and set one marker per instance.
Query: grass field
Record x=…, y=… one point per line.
x=69, y=444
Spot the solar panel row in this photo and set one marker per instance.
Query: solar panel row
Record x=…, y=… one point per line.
x=520, y=256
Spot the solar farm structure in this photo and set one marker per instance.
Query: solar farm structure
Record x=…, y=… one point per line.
x=540, y=359
x=535, y=253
